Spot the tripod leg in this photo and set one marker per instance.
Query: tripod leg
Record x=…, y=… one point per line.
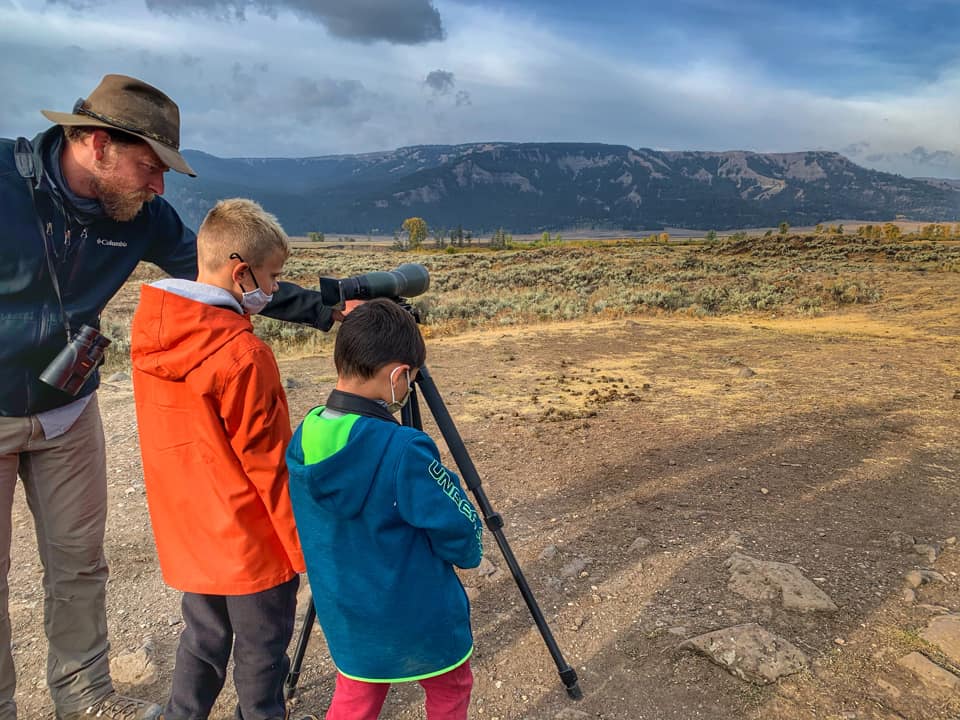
x=410, y=413
x=290, y=684
x=494, y=523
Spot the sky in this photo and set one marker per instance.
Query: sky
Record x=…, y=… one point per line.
x=876, y=80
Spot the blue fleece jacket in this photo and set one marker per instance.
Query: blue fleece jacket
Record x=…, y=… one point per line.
x=382, y=523
x=93, y=257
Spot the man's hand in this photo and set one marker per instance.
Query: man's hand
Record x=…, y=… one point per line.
x=339, y=315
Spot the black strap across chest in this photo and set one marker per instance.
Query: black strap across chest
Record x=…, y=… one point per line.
x=352, y=404
x=26, y=166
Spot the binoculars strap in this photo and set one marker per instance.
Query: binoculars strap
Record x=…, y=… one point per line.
x=23, y=153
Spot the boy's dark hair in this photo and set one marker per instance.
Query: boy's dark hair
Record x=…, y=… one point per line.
x=375, y=334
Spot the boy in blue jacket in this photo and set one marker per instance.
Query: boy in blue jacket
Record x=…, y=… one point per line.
x=382, y=524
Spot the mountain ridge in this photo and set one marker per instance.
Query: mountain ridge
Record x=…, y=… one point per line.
x=529, y=187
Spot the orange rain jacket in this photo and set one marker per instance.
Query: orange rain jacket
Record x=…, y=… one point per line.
x=214, y=426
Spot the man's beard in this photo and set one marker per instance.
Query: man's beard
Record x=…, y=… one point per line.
x=118, y=203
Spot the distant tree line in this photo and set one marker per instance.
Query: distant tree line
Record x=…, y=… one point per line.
x=889, y=231
x=415, y=231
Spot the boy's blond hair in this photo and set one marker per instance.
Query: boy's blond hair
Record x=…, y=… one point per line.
x=239, y=226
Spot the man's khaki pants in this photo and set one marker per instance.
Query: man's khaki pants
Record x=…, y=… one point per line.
x=65, y=481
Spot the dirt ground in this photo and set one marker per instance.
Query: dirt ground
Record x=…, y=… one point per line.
x=590, y=436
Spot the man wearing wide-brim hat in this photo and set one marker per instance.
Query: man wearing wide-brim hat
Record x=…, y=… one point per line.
x=80, y=207
x=127, y=104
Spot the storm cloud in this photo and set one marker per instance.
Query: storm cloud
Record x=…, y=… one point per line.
x=327, y=92
x=73, y=4
x=306, y=77
x=404, y=22
x=918, y=161
x=440, y=81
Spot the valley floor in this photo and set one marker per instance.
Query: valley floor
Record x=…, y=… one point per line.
x=630, y=459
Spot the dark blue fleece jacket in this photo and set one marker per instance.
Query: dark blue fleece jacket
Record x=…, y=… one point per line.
x=93, y=257
x=382, y=524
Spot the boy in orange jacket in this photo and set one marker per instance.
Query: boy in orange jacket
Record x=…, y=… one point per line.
x=214, y=425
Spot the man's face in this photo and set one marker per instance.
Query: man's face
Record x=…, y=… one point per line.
x=126, y=177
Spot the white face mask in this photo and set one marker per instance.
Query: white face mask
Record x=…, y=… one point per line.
x=395, y=405
x=255, y=300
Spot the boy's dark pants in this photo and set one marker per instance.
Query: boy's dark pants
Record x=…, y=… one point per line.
x=262, y=624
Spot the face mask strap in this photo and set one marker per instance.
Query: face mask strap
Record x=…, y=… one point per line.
x=393, y=393
x=236, y=256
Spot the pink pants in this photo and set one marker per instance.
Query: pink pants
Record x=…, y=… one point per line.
x=448, y=697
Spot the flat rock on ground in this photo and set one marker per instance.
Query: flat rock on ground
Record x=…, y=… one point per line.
x=929, y=673
x=750, y=653
x=944, y=632
x=917, y=689
x=763, y=580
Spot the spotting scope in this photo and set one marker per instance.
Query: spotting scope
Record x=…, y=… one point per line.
x=406, y=281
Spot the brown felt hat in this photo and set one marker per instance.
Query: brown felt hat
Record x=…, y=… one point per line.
x=127, y=104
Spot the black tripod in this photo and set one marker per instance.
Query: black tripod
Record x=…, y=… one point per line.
x=410, y=416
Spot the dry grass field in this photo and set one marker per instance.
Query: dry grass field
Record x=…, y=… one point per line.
x=639, y=413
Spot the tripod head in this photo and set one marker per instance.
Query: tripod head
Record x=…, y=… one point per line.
x=410, y=308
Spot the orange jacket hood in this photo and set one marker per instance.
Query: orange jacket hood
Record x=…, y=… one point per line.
x=172, y=334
